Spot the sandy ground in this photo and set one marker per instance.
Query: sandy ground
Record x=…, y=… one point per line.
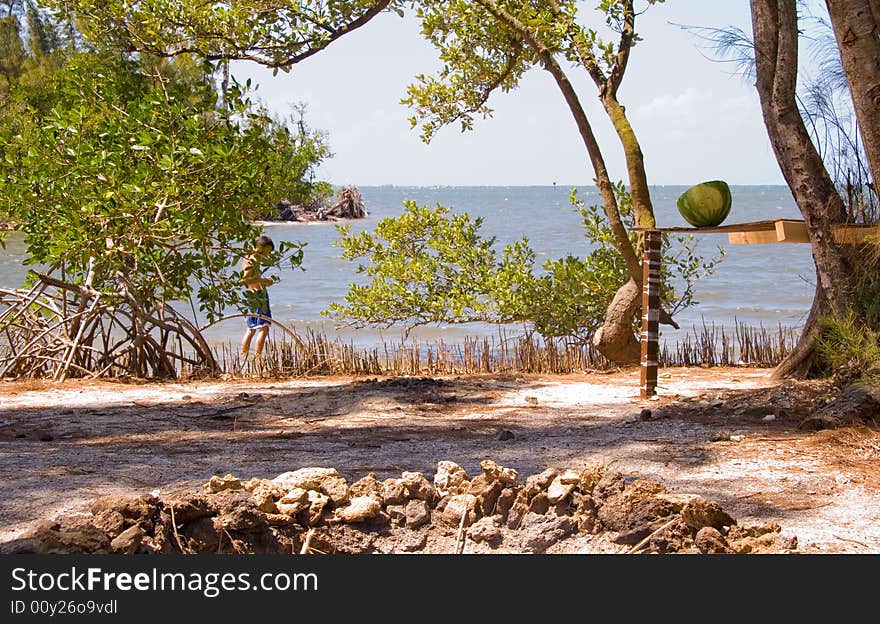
x=726, y=434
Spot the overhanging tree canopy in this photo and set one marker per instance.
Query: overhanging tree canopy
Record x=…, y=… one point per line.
x=275, y=33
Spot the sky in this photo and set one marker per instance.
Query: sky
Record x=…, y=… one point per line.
x=695, y=119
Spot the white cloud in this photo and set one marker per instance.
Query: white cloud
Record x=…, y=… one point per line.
x=690, y=100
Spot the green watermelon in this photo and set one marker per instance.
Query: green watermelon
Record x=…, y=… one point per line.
x=706, y=204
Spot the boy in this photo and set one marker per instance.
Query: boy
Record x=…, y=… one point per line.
x=255, y=282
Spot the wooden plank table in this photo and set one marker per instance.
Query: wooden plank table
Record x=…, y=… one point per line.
x=753, y=233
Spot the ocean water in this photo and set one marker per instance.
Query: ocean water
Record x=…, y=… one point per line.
x=757, y=284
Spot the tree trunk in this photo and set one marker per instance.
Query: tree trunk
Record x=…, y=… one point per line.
x=801, y=361
x=635, y=162
x=856, y=26
x=615, y=339
x=774, y=24
x=616, y=334
x=603, y=181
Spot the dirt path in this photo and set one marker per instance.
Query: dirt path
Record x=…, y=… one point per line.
x=63, y=446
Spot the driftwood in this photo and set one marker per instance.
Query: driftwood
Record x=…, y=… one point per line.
x=287, y=211
x=348, y=204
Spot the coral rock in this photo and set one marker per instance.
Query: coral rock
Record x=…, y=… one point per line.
x=360, y=509
x=559, y=490
x=486, y=530
x=366, y=486
x=701, y=513
x=417, y=514
x=711, y=542
x=417, y=486
x=218, y=484
x=393, y=492
x=541, y=532
x=128, y=541
x=450, y=478
x=458, y=506
x=324, y=480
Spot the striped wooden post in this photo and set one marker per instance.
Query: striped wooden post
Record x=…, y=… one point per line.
x=650, y=312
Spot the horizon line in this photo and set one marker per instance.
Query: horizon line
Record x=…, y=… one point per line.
x=551, y=185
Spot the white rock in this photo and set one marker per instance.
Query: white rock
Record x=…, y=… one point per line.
x=494, y=472
x=509, y=476
x=253, y=483
x=326, y=480
x=569, y=476
x=295, y=501
x=558, y=491
x=264, y=501
x=317, y=504
x=449, y=477
x=218, y=484
x=417, y=486
x=318, y=498
x=458, y=506
x=360, y=508
x=290, y=509
x=590, y=476
x=678, y=500
x=296, y=495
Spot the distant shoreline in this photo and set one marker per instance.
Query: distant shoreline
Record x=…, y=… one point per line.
x=558, y=186
x=314, y=222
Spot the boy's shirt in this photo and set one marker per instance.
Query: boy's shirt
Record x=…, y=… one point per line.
x=251, y=274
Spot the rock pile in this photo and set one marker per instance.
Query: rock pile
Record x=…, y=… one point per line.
x=592, y=509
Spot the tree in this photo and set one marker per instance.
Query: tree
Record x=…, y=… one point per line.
x=825, y=163
x=487, y=45
x=775, y=28
x=857, y=29
x=132, y=188
x=429, y=266
x=26, y=68
x=60, y=89
x=132, y=183
x=12, y=53
x=294, y=165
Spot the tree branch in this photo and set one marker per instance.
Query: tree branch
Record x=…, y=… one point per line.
x=268, y=55
x=623, y=48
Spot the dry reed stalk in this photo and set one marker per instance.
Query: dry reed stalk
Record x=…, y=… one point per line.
x=183, y=550
x=317, y=353
x=231, y=542
x=641, y=544
x=460, y=534
x=308, y=542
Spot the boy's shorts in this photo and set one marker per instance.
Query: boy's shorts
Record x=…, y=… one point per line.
x=262, y=308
